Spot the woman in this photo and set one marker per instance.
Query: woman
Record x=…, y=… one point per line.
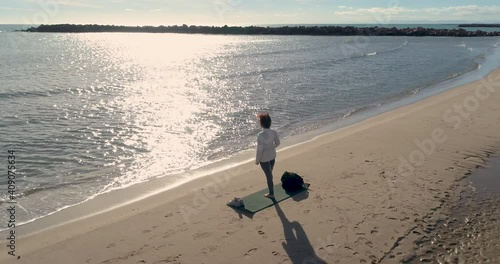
x=267, y=141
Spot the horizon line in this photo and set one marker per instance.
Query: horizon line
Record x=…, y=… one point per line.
x=265, y=24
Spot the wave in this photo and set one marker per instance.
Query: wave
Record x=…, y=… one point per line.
x=18, y=94
x=313, y=64
x=398, y=47
x=276, y=52
x=388, y=50
x=47, y=93
x=406, y=94
x=415, y=91
x=475, y=66
x=31, y=191
x=85, y=178
x=362, y=109
x=35, y=190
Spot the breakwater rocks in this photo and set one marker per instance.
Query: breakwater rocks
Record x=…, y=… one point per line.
x=254, y=30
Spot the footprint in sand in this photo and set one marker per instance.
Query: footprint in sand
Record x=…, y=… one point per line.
x=210, y=249
x=168, y=233
x=146, y=231
x=111, y=245
x=169, y=215
x=202, y=235
x=326, y=247
x=250, y=251
x=171, y=259
x=262, y=233
x=160, y=247
x=374, y=231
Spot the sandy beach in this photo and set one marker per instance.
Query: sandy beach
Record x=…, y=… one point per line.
x=468, y=232
x=376, y=187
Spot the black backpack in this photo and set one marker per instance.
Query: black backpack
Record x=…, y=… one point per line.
x=291, y=182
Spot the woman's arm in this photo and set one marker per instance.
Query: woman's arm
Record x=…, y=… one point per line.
x=260, y=150
x=276, y=140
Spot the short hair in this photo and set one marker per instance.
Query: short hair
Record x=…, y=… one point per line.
x=265, y=120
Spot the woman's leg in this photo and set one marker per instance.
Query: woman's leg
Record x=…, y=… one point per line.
x=266, y=167
x=272, y=164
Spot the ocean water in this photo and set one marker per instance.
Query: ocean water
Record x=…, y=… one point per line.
x=91, y=113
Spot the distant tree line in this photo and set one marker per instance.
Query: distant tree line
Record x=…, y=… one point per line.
x=256, y=30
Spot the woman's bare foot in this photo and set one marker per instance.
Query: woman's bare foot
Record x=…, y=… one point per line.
x=269, y=195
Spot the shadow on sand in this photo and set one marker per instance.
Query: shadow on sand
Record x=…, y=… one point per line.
x=297, y=245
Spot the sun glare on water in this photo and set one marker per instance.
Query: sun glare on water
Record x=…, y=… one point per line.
x=164, y=95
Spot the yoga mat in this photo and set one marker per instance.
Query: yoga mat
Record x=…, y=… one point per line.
x=256, y=201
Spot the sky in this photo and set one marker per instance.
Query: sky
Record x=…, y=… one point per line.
x=247, y=12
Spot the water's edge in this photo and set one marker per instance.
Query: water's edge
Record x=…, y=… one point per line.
x=115, y=198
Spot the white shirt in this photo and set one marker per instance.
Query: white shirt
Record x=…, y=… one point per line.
x=267, y=142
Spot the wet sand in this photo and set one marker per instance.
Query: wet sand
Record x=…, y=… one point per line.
x=469, y=231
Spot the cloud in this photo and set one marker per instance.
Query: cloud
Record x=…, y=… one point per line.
x=156, y=10
x=73, y=3
x=286, y=15
x=450, y=11
x=15, y=9
x=305, y=2
x=376, y=10
x=473, y=10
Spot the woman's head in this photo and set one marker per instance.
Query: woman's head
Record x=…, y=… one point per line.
x=265, y=120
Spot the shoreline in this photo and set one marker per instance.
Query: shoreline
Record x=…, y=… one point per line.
x=114, y=198
x=109, y=200
x=365, y=152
